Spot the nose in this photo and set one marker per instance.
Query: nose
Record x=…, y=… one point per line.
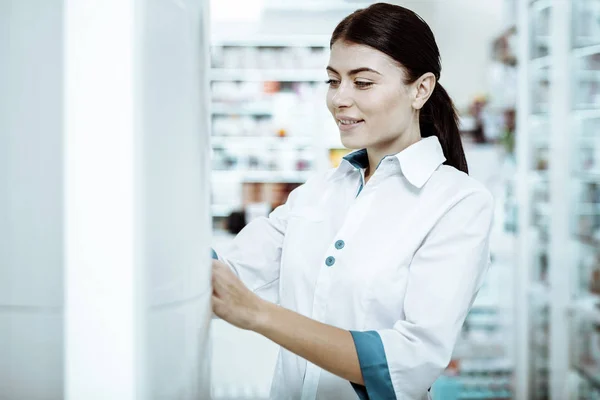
x=342, y=97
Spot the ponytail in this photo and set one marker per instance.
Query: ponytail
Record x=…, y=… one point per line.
x=439, y=118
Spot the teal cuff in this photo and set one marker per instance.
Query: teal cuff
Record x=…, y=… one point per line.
x=214, y=254
x=374, y=367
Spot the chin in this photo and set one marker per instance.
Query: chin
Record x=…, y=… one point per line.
x=352, y=143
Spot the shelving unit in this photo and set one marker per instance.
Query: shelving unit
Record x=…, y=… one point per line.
x=260, y=86
x=585, y=174
x=559, y=234
x=269, y=123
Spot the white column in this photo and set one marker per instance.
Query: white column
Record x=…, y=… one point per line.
x=31, y=209
x=103, y=272
x=137, y=272
x=104, y=221
x=522, y=273
x=560, y=255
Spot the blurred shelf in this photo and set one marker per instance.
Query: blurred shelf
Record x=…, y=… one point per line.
x=540, y=5
x=540, y=62
x=263, y=176
x=540, y=291
x=588, y=208
x=494, y=365
x=315, y=5
x=539, y=175
x=587, y=107
x=239, y=110
x=587, y=307
x=481, y=395
x=260, y=141
x=281, y=75
x=587, y=176
x=587, y=114
x=588, y=240
x=542, y=207
x=587, y=50
x=592, y=376
x=586, y=74
x=222, y=210
x=274, y=41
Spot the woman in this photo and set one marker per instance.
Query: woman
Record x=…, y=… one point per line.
x=374, y=264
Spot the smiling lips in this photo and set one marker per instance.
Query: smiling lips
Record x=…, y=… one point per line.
x=347, y=123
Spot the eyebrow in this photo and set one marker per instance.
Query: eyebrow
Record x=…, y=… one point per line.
x=354, y=71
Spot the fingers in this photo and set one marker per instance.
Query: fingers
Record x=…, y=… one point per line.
x=217, y=306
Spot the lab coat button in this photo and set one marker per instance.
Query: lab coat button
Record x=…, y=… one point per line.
x=339, y=244
x=330, y=261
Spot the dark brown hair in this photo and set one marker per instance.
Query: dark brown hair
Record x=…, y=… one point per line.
x=404, y=36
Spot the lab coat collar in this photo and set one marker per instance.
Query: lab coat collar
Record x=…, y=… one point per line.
x=417, y=162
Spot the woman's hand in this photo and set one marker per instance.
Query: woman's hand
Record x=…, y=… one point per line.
x=231, y=299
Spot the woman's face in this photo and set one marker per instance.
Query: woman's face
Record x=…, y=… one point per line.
x=368, y=98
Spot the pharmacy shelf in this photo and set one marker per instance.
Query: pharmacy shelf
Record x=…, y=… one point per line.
x=263, y=176
x=588, y=176
x=587, y=50
x=592, y=376
x=564, y=101
x=485, y=394
x=262, y=141
x=587, y=114
x=540, y=292
x=222, y=210
x=278, y=75
x=316, y=5
x=590, y=75
x=540, y=5
x=540, y=62
x=586, y=307
x=274, y=41
x=217, y=109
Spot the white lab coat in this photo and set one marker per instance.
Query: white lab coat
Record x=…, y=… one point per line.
x=397, y=261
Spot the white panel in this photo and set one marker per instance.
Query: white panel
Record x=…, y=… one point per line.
x=31, y=355
x=179, y=350
x=101, y=276
x=31, y=340
x=175, y=152
x=30, y=153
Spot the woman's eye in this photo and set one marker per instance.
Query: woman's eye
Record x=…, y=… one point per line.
x=332, y=82
x=362, y=84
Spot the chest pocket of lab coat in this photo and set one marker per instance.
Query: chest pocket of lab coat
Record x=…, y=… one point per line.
x=305, y=242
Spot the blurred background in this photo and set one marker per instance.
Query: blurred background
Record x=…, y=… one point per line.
x=525, y=77
x=101, y=290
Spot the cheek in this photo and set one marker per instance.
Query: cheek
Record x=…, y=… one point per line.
x=328, y=101
x=394, y=111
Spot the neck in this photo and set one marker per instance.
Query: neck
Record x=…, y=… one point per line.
x=377, y=153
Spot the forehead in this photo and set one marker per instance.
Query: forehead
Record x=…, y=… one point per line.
x=346, y=56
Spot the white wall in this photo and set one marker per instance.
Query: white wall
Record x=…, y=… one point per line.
x=464, y=31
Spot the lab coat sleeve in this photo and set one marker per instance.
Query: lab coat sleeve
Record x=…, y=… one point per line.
x=255, y=253
x=445, y=276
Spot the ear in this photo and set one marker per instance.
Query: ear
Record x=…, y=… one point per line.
x=423, y=89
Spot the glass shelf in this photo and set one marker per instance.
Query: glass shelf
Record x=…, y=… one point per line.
x=540, y=29
x=539, y=339
x=586, y=31
x=585, y=346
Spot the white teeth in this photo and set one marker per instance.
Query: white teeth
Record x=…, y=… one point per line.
x=347, y=122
